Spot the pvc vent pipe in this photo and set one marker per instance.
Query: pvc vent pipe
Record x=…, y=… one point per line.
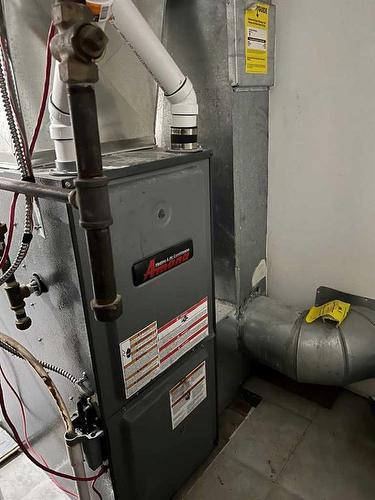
x=154, y=56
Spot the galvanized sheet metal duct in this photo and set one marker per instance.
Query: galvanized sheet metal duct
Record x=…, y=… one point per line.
x=317, y=353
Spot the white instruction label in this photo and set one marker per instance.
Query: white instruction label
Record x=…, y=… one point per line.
x=151, y=351
x=183, y=333
x=188, y=394
x=140, y=359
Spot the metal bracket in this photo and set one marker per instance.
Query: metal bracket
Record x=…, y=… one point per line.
x=89, y=434
x=325, y=294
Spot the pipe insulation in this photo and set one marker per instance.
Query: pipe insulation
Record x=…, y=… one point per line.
x=315, y=353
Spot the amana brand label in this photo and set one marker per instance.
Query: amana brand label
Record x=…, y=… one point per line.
x=256, y=39
x=162, y=262
x=152, y=350
x=188, y=394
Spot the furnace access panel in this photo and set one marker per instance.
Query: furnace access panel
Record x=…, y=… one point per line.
x=155, y=368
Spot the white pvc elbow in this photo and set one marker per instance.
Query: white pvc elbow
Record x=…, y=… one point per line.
x=184, y=106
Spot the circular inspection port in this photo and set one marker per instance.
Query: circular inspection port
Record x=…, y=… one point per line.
x=163, y=214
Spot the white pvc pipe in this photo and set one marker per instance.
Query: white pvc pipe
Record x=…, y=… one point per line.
x=155, y=57
x=59, y=95
x=147, y=46
x=61, y=130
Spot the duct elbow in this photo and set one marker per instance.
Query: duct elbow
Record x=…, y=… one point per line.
x=316, y=353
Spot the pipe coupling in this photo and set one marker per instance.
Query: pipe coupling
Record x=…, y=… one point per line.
x=184, y=139
x=93, y=202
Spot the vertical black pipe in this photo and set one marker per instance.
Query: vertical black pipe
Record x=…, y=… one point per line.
x=93, y=201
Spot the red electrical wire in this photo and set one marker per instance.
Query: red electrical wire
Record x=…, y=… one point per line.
x=29, y=445
x=45, y=93
x=12, y=214
x=96, y=490
x=34, y=139
x=18, y=440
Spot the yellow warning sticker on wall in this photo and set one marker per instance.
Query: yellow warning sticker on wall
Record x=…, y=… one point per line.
x=335, y=311
x=256, y=38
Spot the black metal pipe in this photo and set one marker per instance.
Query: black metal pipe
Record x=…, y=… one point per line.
x=93, y=201
x=36, y=190
x=86, y=131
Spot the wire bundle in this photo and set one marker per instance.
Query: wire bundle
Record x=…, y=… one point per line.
x=37, y=367
x=22, y=152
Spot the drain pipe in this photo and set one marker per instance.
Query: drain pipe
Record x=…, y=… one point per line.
x=61, y=131
x=177, y=87
x=316, y=353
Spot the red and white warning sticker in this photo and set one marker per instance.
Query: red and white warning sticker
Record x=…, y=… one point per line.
x=140, y=359
x=183, y=333
x=188, y=394
x=151, y=351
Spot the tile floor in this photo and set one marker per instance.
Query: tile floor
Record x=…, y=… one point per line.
x=288, y=448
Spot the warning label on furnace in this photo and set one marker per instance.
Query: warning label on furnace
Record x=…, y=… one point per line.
x=140, y=359
x=188, y=394
x=152, y=350
x=256, y=39
x=183, y=333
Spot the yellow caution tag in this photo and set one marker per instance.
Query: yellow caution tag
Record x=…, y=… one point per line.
x=335, y=311
x=256, y=38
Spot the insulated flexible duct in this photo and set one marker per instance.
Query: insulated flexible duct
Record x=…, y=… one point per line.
x=317, y=353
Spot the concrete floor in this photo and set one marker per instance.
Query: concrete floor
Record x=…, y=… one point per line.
x=288, y=448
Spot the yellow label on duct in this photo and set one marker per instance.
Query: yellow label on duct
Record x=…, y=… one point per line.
x=256, y=38
x=335, y=311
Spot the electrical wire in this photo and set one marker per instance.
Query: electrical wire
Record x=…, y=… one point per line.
x=20, y=443
x=22, y=152
x=85, y=390
x=93, y=486
x=56, y=396
x=12, y=214
x=45, y=93
x=26, y=438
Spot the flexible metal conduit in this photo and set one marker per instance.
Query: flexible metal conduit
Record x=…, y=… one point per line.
x=53, y=368
x=317, y=353
x=10, y=99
